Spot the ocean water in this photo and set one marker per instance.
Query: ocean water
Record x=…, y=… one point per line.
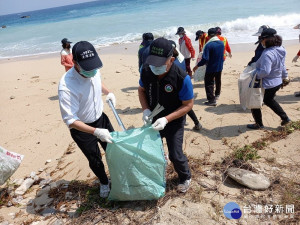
x=107, y=22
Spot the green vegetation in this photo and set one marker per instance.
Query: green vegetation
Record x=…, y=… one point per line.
x=246, y=153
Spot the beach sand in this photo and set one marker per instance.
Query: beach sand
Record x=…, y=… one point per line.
x=31, y=124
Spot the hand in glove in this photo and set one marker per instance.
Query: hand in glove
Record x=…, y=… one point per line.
x=146, y=114
x=103, y=135
x=295, y=58
x=111, y=97
x=160, y=123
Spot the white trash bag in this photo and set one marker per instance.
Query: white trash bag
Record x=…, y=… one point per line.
x=243, y=83
x=255, y=95
x=9, y=163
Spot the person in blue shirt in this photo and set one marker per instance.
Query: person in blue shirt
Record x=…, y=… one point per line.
x=164, y=83
x=270, y=67
x=213, y=58
x=144, y=48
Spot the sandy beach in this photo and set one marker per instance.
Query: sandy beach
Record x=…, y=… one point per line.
x=31, y=124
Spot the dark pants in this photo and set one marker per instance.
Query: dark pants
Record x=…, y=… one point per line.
x=173, y=132
x=209, y=80
x=269, y=101
x=88, y=143
x=188, y=66
x=193, y=117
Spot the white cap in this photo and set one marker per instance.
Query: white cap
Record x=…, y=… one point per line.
x=260, y=30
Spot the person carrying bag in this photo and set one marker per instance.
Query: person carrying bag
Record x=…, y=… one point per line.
x=270, y=68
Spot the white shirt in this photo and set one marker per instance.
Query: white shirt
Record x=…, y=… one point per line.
x=80, y=98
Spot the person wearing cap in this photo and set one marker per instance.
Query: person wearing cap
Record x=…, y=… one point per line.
x=212, y=57
x=144, y=50
x=259, y=49
x=298, y=54
x=203, y=39
x=179, y=61
x=80, y=99
x=164, y=83
x=270, y=67
x=225, y=41
x=66, y=54
x=186, y=48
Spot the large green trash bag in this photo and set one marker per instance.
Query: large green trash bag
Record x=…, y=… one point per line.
x=136, y=165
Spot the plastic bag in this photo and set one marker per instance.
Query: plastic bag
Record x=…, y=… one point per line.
x=136, y=165
x=243, y=83
x=255, y=95
x=9, y=163
x=200, y=72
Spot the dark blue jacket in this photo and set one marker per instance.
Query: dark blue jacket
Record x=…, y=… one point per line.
x=144, y=52
x=258, y=51
x=213, y=57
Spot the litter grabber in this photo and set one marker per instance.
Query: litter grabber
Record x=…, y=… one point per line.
x=116, y=114
x=136, y=163
x=158, y=108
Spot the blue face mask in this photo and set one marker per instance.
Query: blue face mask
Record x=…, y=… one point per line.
x=158, y=70
x=88, y=74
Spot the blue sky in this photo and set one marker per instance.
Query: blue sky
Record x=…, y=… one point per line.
x=17, y=6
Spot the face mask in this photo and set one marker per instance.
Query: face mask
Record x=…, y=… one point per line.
x=158, y=70
x=181, y=35
x=88, y=74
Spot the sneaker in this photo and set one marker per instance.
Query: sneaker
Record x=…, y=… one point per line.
x=217, y=97
x=210, y=103
x=197, y=127
x=104, y=190
x=184, y=186
x=284, y=122
x=255, y=126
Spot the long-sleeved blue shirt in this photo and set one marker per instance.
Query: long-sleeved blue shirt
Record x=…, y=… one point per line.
x=213, y=57
x=270, y=67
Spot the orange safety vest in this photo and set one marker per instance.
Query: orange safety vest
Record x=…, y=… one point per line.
x=202, y=41
x=226, y=45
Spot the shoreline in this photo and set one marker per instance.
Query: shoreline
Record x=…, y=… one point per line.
x=132, y=48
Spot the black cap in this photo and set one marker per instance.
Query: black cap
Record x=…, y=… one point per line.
x=198, y=34
x=212, y=31
x=65, y=41
x=269, y=32
x=160, y=50
x=86, y=56
x=180, y=30
x=218, y=30
x=148, y=37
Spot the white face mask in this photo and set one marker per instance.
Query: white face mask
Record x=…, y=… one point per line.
x=158, y=70
x=181, y=35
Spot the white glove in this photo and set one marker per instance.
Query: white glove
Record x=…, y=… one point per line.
x=295, y=58
x=160, y=123
x=111, y=97
x=103, y=135
x=146, y=114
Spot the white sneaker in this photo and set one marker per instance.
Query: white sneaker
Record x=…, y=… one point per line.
x=104, y=190
x=184, y=186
